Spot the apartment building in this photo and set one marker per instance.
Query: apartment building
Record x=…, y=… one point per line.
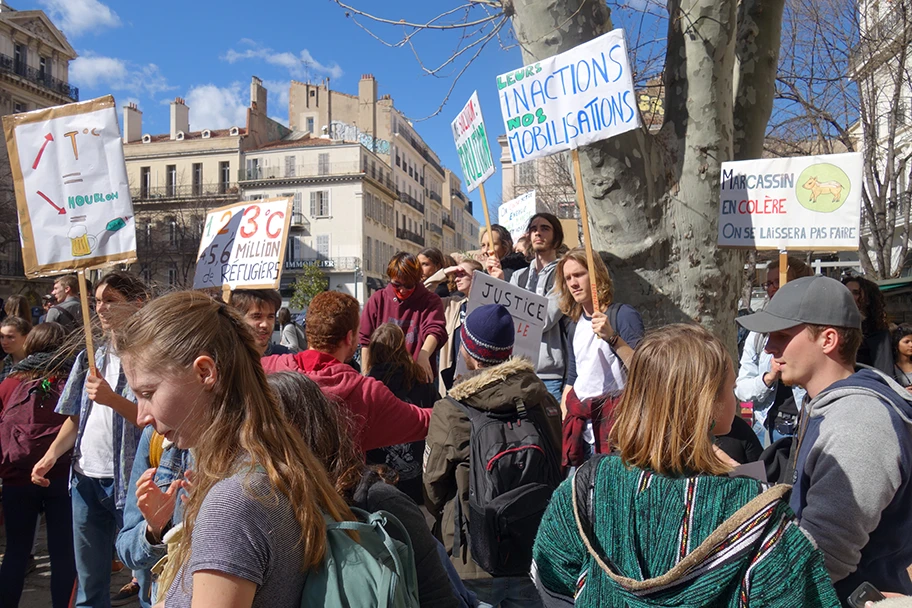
x=176, y=177
x=343, y=213
x=34, y=67
x=424, y=198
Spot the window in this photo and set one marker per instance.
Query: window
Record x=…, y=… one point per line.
x=253, y=168
x=323, y=246
x=377, y=253
x=172, y=276
x=20, y=59
x=319, y=203
x=42, y=68
x=224, y=177
x=18, y=107
x=146, y=274
x=525, y=174
x=145, y=182
x=323, y=164
x=397, y=159
x=367, y=254
x=172, y=232
x=310, y=122
x=197, y=179
x=148, y=235
x=171, y=184
x=297, y=205
x=289, y=166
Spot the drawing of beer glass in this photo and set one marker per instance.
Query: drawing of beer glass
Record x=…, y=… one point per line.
x=79, y=241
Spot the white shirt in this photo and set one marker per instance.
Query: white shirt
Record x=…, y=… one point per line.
x=598, y=370
x=96, y=450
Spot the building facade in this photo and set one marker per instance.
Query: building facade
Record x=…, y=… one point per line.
x=34, y=72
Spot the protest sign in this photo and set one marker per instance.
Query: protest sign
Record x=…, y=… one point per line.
x=72, y=192
x=472, y=144
x=807, y=202
x=243, y=245
x=514, y=215
x=529, y=310
x=578, y=97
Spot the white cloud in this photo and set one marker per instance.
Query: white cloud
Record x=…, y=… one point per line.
x=94, y=71
x=76, y=17
x=301, y=65
x=277, y=100
x=213, y=107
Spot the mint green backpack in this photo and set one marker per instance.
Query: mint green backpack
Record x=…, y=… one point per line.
x=377, y=572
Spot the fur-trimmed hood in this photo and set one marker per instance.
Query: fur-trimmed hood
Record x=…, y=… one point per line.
x=498, y=387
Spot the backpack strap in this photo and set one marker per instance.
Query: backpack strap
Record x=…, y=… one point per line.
x=66, y=312
x=765, y=500
x=612, y=314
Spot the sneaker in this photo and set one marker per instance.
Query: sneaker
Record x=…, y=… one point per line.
x=128, y=593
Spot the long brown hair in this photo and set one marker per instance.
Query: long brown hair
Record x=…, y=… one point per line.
x=387, y=345
x=17, y=306
x=245, y=425
x=665, y=416
x=568, y=305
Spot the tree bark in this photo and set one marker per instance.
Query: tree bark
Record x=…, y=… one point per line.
x=654, y=197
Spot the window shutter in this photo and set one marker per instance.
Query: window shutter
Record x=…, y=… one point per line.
x=313, y=204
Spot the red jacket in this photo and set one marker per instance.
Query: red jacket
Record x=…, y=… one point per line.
x=380, y=418
x=420, y=316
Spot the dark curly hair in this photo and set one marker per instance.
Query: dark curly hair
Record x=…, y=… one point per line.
x=871, y=305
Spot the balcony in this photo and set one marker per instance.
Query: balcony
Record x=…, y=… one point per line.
x=259, y=172
x=408, y=235
x=434, y=196
x=298, y=220
x=342, y=264
x=449, y=223
x=184, y=191
x=9, y=65
x=422, y=150
x=458, y=194
x=435, y=228
x=409, y=200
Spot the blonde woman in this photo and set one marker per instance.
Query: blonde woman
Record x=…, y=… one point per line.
x=660, y=522
x=254, y=522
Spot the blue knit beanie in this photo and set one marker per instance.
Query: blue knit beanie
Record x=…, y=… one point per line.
x=488, y=333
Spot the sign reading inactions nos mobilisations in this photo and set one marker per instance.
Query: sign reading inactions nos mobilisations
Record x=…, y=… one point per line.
x=578, y=97
x=806, y=202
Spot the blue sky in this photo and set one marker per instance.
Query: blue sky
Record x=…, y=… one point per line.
x=207, y=50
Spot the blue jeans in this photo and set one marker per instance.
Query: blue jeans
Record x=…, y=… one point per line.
x=96, y=521
x=555, y=387
x=505, y=592
x=21, y=505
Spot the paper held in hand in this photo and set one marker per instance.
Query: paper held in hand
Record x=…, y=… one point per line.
x=72, y=192
x=243, y=245
x=578, y=97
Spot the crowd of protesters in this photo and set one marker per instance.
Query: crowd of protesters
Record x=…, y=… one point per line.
x=226, y=469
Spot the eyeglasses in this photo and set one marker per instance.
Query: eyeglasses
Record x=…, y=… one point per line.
x=769, y=284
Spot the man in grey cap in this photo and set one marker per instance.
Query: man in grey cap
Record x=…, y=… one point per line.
x=852, y=458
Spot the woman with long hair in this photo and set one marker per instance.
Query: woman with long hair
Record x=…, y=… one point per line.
x=659, y=522
x=17, y=306
x=28, y=424
x=292, y=336
x=432, y=260
x=775, y=404
x=499, y=257
x=102, y=433
x=902, y=354
x=391, y=364
x=876, y=347
x=597, y=354
x=195, y=368
x=326, y=429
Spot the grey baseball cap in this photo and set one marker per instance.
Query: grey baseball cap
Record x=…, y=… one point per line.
x=814, y=300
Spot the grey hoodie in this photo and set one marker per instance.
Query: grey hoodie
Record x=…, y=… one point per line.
x=551, y=364
x=853, y=481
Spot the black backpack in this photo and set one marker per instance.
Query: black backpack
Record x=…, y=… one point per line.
x=513, y=470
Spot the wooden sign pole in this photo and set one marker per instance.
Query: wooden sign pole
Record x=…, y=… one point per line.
x=226, y=293
x=783, y=268
x=484, y=207
x=87, y=321
x=584, y=218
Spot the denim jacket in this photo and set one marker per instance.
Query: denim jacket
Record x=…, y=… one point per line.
x=75, y=402
x=134, y=548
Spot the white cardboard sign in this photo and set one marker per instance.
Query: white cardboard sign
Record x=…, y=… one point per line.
x=514, y=215
x=529, y=311
x=72, y=192
x=472, y=144
x=243, y=245
x=569, y=100
x=806, y=202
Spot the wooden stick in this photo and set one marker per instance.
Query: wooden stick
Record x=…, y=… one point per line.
x=226, y=293
x=587, y=240
x=783, y=268
x=484, y=207
x=87, y=321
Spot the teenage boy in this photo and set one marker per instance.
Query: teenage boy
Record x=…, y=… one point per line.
x=380, y=419
x=547, y=236
x=852, y=460
x=67, y=311
x=259, y=308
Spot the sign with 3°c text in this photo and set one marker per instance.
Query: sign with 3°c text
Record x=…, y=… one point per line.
x=243, y=245
x=578, y=97
x=805, y=202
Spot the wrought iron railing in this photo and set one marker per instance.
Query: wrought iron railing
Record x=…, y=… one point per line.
x=40, y=77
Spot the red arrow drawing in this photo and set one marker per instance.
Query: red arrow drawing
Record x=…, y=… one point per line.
x=47, y=139
x=60, y=210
